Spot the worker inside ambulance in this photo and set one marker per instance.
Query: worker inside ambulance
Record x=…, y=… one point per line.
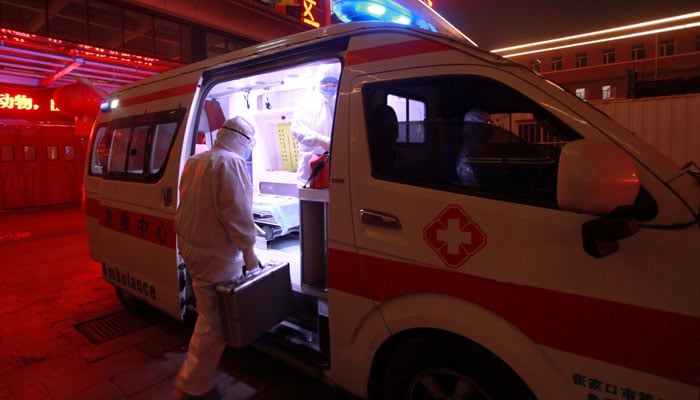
x=476, y=132
x=313, y=121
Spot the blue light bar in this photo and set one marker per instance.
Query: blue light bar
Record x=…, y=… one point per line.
x=109, y=105
x=378, y=10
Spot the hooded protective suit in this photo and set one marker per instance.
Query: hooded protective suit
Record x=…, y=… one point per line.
x=313, y=121
x=214, y=224
x=475, y=133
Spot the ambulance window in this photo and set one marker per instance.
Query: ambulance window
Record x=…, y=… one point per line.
x=118, y=150
x=100, y=152
x=464, y=134
x=52, y=153
x=410, y=114
x=162, y=137
x=7, y=153
x=137, y=149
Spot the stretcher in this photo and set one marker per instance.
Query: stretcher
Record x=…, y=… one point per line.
x=276, y=215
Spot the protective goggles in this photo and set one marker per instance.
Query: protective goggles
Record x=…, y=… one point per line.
x=251, y=140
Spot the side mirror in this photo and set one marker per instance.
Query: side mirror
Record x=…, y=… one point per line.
x=600, y=235
x=601, y=179
x=595, y=178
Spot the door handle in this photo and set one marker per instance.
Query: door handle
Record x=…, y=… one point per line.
x=168, y=195
x=380, y=219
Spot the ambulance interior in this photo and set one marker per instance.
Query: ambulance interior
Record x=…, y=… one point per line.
x=268, y=100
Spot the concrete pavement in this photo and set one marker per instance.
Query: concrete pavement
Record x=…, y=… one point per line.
x=49, y=286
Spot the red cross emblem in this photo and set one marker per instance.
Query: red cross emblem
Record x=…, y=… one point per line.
x=454, y=236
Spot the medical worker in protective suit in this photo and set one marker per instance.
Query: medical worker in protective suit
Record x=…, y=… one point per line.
x=313, y=121
x=216, y=234
x=478, y=128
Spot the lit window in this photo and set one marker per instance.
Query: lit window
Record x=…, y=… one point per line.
x=638, y=52
x=410, y=114
x=581, y=60
x=608, y=56
x=667, y=47
x=536, y=65
x=70, y=153
x=608, y=92
x=52, y=153
x=557, y=63
x=581, y=93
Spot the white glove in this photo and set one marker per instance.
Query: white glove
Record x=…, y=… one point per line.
x=325, y=143
x=250, y=260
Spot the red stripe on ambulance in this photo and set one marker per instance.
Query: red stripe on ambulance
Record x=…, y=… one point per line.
x=653, y=341
x=142, y=226
x=163, y=94
x=394, y=50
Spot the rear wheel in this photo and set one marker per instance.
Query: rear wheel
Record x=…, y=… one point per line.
x=443, y=366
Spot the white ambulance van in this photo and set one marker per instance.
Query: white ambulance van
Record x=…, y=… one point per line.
x=562, y=261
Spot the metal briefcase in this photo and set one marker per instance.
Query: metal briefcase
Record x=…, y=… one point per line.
x=255, y=303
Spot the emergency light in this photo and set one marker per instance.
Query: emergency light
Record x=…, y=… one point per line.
x=109, y=105
x=378, y=10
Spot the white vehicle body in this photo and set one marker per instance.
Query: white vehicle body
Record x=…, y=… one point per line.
x=404, y=260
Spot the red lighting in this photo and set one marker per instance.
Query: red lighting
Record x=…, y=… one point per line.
x=17, y=101
x=78, y=99
x=28, y=104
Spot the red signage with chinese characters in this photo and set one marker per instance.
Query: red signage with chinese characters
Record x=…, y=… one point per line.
x=313, y=13
x=33, y=104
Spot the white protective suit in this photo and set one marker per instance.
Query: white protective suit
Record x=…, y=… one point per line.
x=313, y=121
x=474, y=135
x=214, y=224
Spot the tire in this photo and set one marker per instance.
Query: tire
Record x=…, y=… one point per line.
x=443, y=366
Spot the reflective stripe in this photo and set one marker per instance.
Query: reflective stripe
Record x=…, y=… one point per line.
x=657, y=342
x=394, y=50
x=159, y=95
x=142, y=226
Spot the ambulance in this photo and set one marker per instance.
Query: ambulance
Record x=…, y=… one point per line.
x=565, y=266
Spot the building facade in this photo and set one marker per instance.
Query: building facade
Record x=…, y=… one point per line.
x=647, y=59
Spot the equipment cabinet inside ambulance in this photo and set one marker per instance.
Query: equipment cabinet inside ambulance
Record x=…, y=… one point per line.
x=540, y=251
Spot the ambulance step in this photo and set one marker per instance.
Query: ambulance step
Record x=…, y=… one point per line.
x=299, y=343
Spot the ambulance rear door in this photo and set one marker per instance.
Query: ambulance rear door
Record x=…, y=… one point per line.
x=131, y=192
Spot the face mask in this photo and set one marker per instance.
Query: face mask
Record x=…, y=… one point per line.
x=328, y=88
x=249, y=147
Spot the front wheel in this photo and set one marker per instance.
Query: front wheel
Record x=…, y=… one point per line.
x=443, y=366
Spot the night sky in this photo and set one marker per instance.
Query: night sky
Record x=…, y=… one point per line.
x=499, y=23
